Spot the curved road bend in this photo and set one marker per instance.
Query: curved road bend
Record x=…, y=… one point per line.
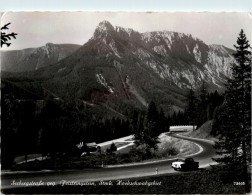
x=112, y=173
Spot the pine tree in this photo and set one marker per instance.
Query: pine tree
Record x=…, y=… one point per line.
x=138, y=130
x=152, y=113
x=134, y=121
x=202, y=106
x=191, y=109
x=163, y=122
x=148, y=129
x=151, y=126
x=174, y=119
x=113, y=147
x=5, y=37
x=235, y=114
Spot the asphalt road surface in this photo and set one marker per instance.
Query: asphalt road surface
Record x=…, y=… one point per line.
x=112, y=173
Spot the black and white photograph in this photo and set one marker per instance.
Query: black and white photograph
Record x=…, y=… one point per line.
x=125, y=102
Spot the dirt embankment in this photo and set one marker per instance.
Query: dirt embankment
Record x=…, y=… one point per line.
x=182, y=147
x=203, y=132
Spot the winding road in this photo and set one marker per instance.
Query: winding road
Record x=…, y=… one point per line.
x=112, y=173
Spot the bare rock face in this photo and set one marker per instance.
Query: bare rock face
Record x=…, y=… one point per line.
x=180, y=58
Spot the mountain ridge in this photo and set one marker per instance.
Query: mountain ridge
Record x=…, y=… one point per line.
x=31, y=59
x=121, y=67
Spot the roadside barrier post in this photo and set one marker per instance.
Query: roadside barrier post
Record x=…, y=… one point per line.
x=157, y=171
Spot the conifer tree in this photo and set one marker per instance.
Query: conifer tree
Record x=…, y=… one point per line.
x=6, y=37
x=152, y=117
x=163, y=122
x=138, y=130
x=148, y=129
x=234, y=116
x=202, y=106
x=191, y=110
x=174, y=118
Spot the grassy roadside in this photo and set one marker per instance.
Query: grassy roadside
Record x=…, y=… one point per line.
x=195, y=182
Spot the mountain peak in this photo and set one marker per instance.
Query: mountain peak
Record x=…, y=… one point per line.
x=105, y=26
x=49, y=44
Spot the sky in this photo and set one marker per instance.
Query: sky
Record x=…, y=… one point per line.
x=38, y=28
x=128, y=5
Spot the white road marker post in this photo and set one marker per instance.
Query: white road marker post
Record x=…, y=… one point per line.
x=157, y=171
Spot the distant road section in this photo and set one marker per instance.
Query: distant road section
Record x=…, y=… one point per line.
x=122, y=139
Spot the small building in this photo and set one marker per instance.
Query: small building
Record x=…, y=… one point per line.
x=182, y=128
x=92, y=146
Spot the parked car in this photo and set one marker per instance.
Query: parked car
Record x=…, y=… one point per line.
x=185, y=164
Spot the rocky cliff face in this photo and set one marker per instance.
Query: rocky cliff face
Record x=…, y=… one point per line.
x=181, y=58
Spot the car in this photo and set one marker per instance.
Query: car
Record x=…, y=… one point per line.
x=185, y=164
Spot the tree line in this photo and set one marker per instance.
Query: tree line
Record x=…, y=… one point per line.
x=51, y=126
x=200, y=107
